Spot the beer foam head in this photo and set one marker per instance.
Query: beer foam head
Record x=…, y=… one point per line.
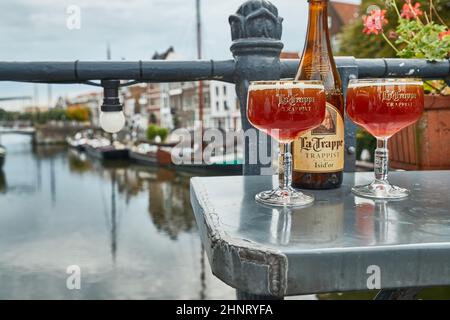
x=384, y=82
x=287, y=85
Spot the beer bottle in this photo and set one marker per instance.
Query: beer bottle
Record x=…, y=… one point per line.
x=318, y=155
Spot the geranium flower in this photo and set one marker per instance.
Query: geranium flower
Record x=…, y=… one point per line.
x=409, y=11
x=444, y=34
x=374, y=22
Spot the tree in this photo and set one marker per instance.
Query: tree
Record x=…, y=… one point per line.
x=78, y=113
x=154, y=131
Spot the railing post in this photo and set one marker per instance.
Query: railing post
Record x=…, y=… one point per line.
x=348, y=69
x=256, y=32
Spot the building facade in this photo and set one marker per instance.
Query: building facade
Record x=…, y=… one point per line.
x=176, y=105
x=224, y=106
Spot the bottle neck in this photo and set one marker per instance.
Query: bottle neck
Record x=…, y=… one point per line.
x=317, y=33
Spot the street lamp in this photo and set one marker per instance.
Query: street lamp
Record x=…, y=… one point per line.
x=112, y=118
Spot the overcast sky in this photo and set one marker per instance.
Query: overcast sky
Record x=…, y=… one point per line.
x=36, y=30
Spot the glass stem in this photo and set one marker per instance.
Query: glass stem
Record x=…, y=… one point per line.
x=285, y=166
x=381, y=165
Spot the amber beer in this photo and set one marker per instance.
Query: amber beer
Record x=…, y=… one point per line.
x=285, y=110
x=385, y=108
x=319, y=154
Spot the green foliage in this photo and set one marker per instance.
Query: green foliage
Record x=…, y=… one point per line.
x=56, y=114
x=34, y=117
x=78, y=113
x=418, y=40
x=365, y=140
x=353, y=42
x=154, y=131
x=163, y=133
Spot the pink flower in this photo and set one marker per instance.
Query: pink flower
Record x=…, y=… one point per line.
x=444, y=34
x=409, y=11
x=374, y=22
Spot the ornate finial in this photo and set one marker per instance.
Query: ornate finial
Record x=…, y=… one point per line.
x=256, y=19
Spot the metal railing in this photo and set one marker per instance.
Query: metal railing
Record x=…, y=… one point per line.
x=222, y=70
x=256, y=33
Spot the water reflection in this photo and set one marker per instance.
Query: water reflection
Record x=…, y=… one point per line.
x=322, y=223
x=168, y=192
x=378, y=222
x=130, y=228
x=168, y=199
x=368, y=222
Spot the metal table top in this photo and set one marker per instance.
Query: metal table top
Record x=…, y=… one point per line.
x=337, y=244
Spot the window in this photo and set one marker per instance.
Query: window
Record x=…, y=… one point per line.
x=225, y=105
x=224, y=90
x=217, y=91
x=217, y=105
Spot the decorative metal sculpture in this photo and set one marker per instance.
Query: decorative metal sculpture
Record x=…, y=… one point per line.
x=256, y=19
x=256, y=32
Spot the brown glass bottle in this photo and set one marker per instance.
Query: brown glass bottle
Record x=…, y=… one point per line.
x=318, y=156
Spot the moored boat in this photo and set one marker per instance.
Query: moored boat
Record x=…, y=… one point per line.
x=103, y=149
x=79, y=141
x=228, y=164
x=145, y=153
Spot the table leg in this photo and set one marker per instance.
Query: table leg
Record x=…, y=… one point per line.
x=242, y=295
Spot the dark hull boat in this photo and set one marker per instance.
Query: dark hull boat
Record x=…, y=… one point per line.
x=221, y=167
x=107, y=153
x=224, y=169
x=144, y=158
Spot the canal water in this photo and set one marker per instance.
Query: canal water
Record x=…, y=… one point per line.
x=129, y=229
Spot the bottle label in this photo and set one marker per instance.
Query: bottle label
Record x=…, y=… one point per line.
x=321, y=150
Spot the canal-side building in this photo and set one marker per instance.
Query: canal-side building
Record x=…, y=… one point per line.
x=92, y=100
x=220, y=105
x=224, y=106
x=179, y=104
x=176, y=105
x=150, y=100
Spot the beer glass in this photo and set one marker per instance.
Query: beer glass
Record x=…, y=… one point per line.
x=284, y=110
x=383, y=107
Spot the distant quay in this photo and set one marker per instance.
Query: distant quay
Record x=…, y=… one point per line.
x=56, y=133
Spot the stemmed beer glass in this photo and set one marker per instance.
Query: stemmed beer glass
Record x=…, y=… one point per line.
x=383, y=107
x=284, y=110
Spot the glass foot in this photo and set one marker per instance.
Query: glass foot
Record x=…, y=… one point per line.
x=380, y=190
x=288, y=197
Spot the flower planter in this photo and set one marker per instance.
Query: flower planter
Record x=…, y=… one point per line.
x=426, y=144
